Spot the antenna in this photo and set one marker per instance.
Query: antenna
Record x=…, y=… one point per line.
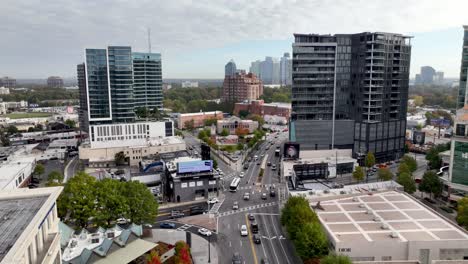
x=149, y=40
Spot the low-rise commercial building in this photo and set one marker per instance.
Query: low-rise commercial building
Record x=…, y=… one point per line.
x=16, y=166
x=4, y=90
x=233, y=123
x=379, y=223
x=259, y=107
x=189, y=84
x=8, y=82
x=29, y=226
x=197, y=119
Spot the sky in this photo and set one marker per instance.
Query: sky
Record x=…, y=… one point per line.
x=40, y=38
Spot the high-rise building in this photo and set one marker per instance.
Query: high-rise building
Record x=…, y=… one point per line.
x=8, y=82
x=285, y=69
x=266, y=70
x=114, y=81
x=55, y=82
x=230, y=68
x=439, y=77
x=351, y=91
x=83, y=110
x=462, y=91
x=427, y=75
x=276, y=76
x=255, y=68
x=242, y=86
x=147, y=80
x=458, y=176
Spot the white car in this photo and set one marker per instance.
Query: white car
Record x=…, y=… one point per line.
x=204, y=232
x=213, y=200
x=235, y=206
x=122, y=221
x=244, y=231
x=241, y=174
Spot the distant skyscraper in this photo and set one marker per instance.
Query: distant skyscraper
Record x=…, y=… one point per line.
x=55, y=82
x=242, y=86
x=359, y=103
x=114, y=81
x=285, y=69
x=427, y=75
x=8, y=82
x=276, y=76
x=266, y=70
x=439, y=77
x=255, y=68
x=230, y=68
x=83, y=110
x=463, y=91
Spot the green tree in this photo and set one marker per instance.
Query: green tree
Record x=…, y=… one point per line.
x=119, y=158
x=336, y=259
x=202, y=134
x=385, y=174
x=431, y=184
x=78, y=200
x=225, y=132
x=70, y=123
x=4, y=138
x=215, y=162
x=141, y=112
x=12, y=130
x=358, y=173
x=418, y=100
x=211, y=121
x=405, y=180
x=410, y=162
x=462, y=216
x=259, y=119
x=243, y=113
x=39, y=170
x=311, y=242
x=189, y=125
x=142, y=206
x=370, y=159
x=433, y=158
x=419, y=127
x=406, y=148
x=403, y=168
x=54, y=176
x=240, y=146
x=296, y=212
x=112, y=204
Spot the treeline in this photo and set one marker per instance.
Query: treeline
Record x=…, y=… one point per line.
x=36, y=96
x=443, y=96
x=282, y=94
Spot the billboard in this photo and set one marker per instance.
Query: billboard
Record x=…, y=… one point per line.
x=194, y=166
x=291, y=150
x=311, y=171
x=440, y=122
x=419, y=137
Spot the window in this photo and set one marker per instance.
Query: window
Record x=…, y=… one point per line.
x=199, y=183
x=183, y=185
x=191, y=184
x=386, y=257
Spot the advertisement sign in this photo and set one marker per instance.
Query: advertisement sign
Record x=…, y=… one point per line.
x=291, y=150
x=194, y=166
x=419, y=137
x=440, y=122
x=311, y=171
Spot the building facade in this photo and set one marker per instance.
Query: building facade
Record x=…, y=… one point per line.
x=233, y=123
x=285, y=69
x=351, y=91
x=147, y=80
x=55, y=82
x=198, y=119
x=83, y=117
x=259, y=107
x=230, y=68
x=458, y=176
x=8, y=82
x=4, y=90
x=427, y=75
x=255, y=68
x=462, y=90
x=242, y=86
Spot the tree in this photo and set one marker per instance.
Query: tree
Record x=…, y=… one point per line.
x=189, y=125
x=336, y=259
x=418, y=100
x=225, y=132
x=215, y=162
x=4, y=138
x=259, y=119
x=39, y=169
x=112, y=204
x=419, y=127
x=370, y=159
x=119, y=158
x=142, y=206
x=240, y=146
x=78, y=199
x=70, y=123
x=141, y=112
x=202, y=134
x=431, y=184
x=182, y=253
x=12, y=130
x=211, y=121
x=358, y=173
x=462, y=216
x=403, y=168
x=405, y=180
x=311, y=242
x=433, y=158
x=410, y=162
x=243, y=113
x=153, y=257
x=296, y=212
x=54, y=177
x=385, y=174
x=406, y=148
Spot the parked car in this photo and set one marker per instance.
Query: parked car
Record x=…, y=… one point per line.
x=195, y=210
x=268, y=163
x=251, y=217
x=264, y=196
x=256, y=239
x=246, y=166
x=237, y=259
x=204, y=232
x=177, y=214
x=167, y=225
x=273, y=167
x=235, y=206
x=246, y=196
x=241, y=174
x=213, y=200
x=446, y=209
x=244, y=231
x=122, y=221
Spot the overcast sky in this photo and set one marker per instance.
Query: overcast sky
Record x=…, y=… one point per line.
x=196, y=38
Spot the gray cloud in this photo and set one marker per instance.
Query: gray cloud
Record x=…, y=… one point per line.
x=40, y=38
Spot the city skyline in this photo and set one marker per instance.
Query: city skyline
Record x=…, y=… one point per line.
x=189, y=34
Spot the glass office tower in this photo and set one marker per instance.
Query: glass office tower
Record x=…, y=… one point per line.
x=147, y=80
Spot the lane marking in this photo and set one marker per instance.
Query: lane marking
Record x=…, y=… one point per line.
x=279, y=240
x=272, y=247
x=251, y=240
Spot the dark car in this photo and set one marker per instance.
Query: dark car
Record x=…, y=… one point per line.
x=269, y=164
x=237, y=259
x=251, y=217
x=256, y=239
x=272, y=192
x=264, y=261
x=177, y=214
x=195, y=210
x=167, y=225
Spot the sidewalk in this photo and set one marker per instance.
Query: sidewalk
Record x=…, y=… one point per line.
x=170, y=205
x=199, y=248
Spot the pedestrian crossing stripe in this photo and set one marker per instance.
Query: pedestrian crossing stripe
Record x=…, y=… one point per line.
x=184, y=227
x=243, y=209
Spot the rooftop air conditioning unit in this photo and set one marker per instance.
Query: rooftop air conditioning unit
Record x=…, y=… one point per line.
x=369, y=212
x=355, y=199
x=362, y=205
x=394, y=235
x=377, y=219
x=384, y=227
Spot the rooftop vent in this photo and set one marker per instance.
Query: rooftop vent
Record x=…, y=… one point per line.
x=385, y=226
x=394, y=235
x=362, y=205
x=369, y=212
x=377, y=219
x=355, y=199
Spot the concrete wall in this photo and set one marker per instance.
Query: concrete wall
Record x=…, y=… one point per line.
x=188, y=193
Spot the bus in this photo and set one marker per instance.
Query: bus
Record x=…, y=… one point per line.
x=234, y=184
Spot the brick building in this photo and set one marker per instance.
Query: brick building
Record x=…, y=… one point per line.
x=259, y=107
x=242, y=86
x=198, y=118
x=233, y=123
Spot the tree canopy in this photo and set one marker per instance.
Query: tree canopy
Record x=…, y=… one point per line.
x=119, y=158
x=432, y=156
x=462, y=216
x=336, y=259
x=431, y=184
x=385, y=174
x=410, y=162
x=405, y=180
x=370, y=160
x=358, y=173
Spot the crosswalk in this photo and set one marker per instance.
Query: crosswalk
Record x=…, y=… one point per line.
x=244, y=209
x=184, y=227
x=215, y=207
x=256, y=186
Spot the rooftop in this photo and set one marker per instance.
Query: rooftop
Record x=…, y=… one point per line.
x=10, y=169
x=202, y=113
x=388, y=215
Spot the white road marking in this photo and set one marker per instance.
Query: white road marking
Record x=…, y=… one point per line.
x=230, y=244
x=272, y=247
x=281, y=244
x=240, y=242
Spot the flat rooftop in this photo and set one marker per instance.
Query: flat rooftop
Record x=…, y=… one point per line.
x=201, y=113
x=16, y=214
x=384, y=216
x=9, y=169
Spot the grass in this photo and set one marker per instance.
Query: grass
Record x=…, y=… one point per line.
x=27, y=115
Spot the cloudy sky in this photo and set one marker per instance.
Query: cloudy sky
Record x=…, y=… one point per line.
x=196, y=38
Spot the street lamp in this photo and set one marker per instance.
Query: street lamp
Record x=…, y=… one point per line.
x=209, y=250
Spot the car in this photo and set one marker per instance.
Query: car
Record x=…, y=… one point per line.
x=269, y=164
x=195, y=210
x=374, y=169
x=272, y=192
x=177, y=214
x=264, y=196
x=246, y=196
x=267, y=147
x=235, y=206
x=256, y=239
x=218, y=169
x=122, y=221
x=264, y=261
x=243, y=231
x=167, y=225
x=246, y=166
x=213, y=200
x=204, y=232
x=446, y=209
x=258, y=162
x=237, y=259
x=273, y=167
x=147, y=226
x=251, y=217
x=263, y=155
x=249, y=159
x=241, y=174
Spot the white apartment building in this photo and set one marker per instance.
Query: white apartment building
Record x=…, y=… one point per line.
x=29, y=226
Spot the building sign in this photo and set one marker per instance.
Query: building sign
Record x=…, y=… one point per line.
x=437, y=122
x=291, y=150
x=419, y=137
x=191, y=184
x=194, y=166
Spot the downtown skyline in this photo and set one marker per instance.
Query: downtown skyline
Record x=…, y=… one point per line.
x=48, y=39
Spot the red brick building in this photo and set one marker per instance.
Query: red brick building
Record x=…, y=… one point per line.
x=198, y=118
x=259, y=107
x=242, y=86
